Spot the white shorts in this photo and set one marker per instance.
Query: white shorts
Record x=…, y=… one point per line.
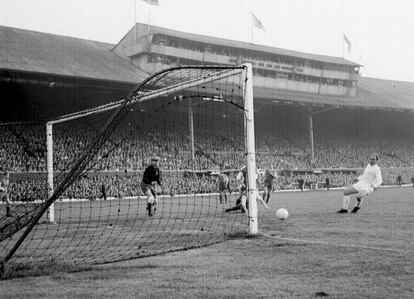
x=244, y=200
x=363, y=188
x=151, y=198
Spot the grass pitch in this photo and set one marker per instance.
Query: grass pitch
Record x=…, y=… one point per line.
x=315, y=253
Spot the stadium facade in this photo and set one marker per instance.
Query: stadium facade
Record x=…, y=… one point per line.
x=280, y=75
x=275, y=69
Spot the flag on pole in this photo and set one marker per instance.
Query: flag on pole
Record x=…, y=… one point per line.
x=348, y=43
x=257, y=22
x=151, y=2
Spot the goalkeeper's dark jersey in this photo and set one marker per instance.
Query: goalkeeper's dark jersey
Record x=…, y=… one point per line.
x=151, y=174
x=268, y=178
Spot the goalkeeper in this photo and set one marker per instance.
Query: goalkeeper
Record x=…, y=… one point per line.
x=150, y=177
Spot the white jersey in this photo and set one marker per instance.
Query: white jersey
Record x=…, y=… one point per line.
x=371, y=176
x=4, y=182
x=242, y=175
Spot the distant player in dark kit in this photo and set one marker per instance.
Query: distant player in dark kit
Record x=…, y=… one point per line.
x=399, y=180
x=4, y=194
x=327, y=183
x=103, y=192
x=267, y=182
x=301, y=182
x=224, y=186
x=151, y=176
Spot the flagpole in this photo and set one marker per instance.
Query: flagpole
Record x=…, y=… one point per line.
x=149, y=19
x=135, y=20
x=251, y=20
x=360, y=56
x=251, y=28
x=148, y=28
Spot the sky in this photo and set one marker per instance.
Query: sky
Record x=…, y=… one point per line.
x=381, y=32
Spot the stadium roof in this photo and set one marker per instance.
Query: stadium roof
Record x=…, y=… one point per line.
x=387, y=93
x=43, y=53
x=248, y=46
x=371, y=94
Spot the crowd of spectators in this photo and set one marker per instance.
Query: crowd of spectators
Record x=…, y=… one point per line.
x=120, y=159
x=130, y=150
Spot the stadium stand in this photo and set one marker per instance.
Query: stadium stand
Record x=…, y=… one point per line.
x=92, y=73
x=285, y=149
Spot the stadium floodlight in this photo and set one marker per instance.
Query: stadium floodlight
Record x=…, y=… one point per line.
x=95, y=161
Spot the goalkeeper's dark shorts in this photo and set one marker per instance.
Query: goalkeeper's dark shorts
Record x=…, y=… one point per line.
x=267, y=185
x=223, y=187
x=145, y=187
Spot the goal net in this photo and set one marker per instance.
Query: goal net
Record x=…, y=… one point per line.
x=86, y=204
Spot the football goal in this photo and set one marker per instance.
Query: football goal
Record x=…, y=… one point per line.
x=88, y=205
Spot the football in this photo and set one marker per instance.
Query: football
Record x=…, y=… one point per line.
x=282, y=214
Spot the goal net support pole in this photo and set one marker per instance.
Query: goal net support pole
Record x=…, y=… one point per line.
x=250, y=147
x=191, y=127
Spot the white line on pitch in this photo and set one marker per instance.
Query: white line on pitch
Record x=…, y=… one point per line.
x=338, y=245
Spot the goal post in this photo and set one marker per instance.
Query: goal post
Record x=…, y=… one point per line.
x=199, y=120
x=49, y=170
x=250, y=149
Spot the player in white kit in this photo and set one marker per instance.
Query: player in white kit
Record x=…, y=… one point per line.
x=368, y=182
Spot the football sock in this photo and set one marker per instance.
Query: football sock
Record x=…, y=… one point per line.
x=149, y=209
x=345, y=202
x=237, y=207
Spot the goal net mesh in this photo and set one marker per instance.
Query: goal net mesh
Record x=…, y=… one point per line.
x=191, y=118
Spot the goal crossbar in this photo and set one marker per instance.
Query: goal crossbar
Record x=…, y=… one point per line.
x=149, y=95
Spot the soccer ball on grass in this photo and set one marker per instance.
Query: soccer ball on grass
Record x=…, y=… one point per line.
x=282, y=214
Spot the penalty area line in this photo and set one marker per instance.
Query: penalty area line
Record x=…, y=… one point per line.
x=336, y=244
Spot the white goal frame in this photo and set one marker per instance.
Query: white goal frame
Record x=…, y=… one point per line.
x=247, y=79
